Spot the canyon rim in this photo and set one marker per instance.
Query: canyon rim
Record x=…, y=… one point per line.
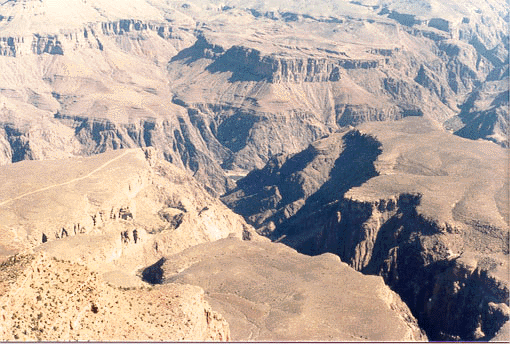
x=322, y=170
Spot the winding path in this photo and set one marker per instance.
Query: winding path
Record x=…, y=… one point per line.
x=68, y=182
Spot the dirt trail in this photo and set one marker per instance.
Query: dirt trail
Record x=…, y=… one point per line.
x=68, y=182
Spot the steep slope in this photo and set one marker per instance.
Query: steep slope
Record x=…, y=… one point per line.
x=82, y=228
x=116, y=212
x=46, y=299
x=93, y=231
x=268, y=291
x=280, y=92
x=87, y=77
x=426, y=210
x=485, y=113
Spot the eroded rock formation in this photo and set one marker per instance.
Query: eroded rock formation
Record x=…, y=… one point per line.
x=75, y=234
x=268, y=291
x=143, y=214
x=214, y=100
x=46, y=299
x=425, y=210
x=119, y=210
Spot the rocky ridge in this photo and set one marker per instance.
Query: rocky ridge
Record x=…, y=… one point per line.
x=88, y=243
x=75, y=235
x=388, y=201
x=123, y=209
x=299, y=74
x=268, y=291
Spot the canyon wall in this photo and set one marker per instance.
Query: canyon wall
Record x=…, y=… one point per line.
x=220, y=103
x=418, y=224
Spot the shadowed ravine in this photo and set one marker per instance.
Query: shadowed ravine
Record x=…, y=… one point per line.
x=354, y=166
x=450, y=300
x=400, y=252
x=453, y=294
x=370, y=136
x=398, y=248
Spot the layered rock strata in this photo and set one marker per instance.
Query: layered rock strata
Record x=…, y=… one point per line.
x=425, y=210
x=119, y=210
x=213, y=100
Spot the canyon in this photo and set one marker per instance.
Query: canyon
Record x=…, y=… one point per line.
x=361, y=146
x=85, y=258
x=218, y=102
x=433, y=222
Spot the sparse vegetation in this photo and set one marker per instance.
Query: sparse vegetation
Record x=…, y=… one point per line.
x=39, y=318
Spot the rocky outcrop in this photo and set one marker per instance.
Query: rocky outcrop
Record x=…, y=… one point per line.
x=266, y=93
x=47, y=299
x=7, y=45
x=249, y=65
x=270, y=292
x=485, y=113
x=90, y=36
x=269, y=196
x=128, y=25
x=385, y=213
x=152, y=209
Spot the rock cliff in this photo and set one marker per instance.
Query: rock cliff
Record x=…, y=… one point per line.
x=268, y=291
x=117, y=211
x=219, y=102
x=425, y=210
x=91, y=233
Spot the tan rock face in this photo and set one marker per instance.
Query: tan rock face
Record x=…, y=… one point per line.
x=117, y=211
x=93, y=223
x=47, y=299
x=297, y=74
x=268, y=291
x=97, y=76
x=131, y=210
x=426, y=210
